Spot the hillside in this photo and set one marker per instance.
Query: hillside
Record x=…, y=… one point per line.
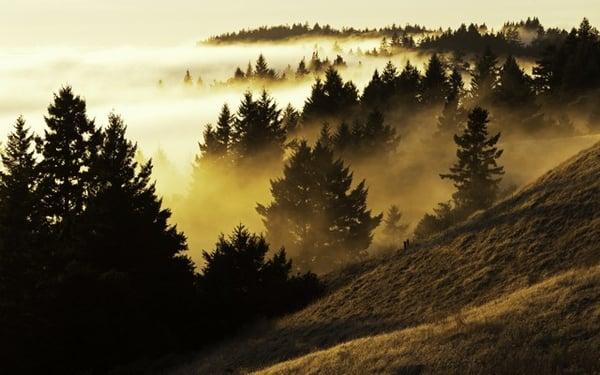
x=514, y=289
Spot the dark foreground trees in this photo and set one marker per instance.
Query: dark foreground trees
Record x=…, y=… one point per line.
x=92, y=273
x=239, y=283
x=316, y=212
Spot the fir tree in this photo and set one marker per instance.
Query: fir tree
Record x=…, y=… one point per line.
x=301, y=71
x=20, y=263
x=475, y=174
x=484, y=77
x=187, y=79
x=435, y=82
x=290, y=120
x=393, y=226
x=257, y=132
x=69, y=143
x=316, y=213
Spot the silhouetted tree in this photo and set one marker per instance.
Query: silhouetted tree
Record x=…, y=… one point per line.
x=240, y=284
x=476, y=170
x=484, y=77
x=315, y=212
x=290, y=120
x=435, y=82
x=69, y=142
x=301, y=71
x=262, y=70
x=187, y=79
x=20, y=264
x=331, y=97
x=257, y=132
x=393, y=226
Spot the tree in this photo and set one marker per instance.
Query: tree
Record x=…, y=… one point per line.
x=257, y=132
x=69, y=142
x=187, y=79
x=408, y=86
x=393, y=228
x=484, y=77
x=435, y=82
x=514, y=88
x=476, y=170
x=330, y=98
x=262, y=70
x=131, y=256
x=316, y=213
x=239, y=75
x=452, y=115
x=239, y=283
x=20, y=263
x=301, y=71
x=290, y=120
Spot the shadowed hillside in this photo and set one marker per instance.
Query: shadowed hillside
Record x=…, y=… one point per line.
x=513, y=289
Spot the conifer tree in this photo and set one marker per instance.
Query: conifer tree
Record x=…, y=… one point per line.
x=131, y=245
x=301, y=71
x=409, y=85
x=187, y=79
x=484, y=77
x=331, y=97
x=69, y=142
x=290, y=120
x=393, y=226
x=239, y=283
x=435, y=82
x=239, y=75
x=514, y=88
x=20, y=261
x=315, y=211
x=262, y=70
x=476, y=172
x=257, y=132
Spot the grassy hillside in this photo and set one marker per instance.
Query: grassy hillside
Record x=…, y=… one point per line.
x=513, y=289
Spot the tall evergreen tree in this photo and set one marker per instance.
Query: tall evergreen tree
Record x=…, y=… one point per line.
x=330, y=98
x=514, y=88
x=484, y=77
x=316, y=213
x=393, y=226
x=20, y=261
x=435, y=82
x=69, y=142
x=257, y=132
x=476, y=172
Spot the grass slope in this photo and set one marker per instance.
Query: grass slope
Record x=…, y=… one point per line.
x=516, y=287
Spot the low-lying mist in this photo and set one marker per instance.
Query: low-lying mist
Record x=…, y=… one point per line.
x=167, y=121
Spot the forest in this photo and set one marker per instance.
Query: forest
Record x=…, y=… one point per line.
x=95, y=270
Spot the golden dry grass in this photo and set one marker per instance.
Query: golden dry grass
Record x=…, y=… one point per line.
x=515, y=289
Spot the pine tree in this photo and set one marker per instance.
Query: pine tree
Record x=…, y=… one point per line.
x=20, y=261
x=239, y=283
x=249, y=71
x=239, y=75
x=290, y=120
x=409, y=85
x=301, y=71
x=187, y=79
x=514, y=88
x=393, y=226
x=316, y=213
x=452, y=116
x=69, y=143
x=476, y=172
x=223, y=131
x=435, y=82
x=261, y=69
x=373, y=92
x=331, y=97
x=132, y=249
x=484, y=77
x=257, y=132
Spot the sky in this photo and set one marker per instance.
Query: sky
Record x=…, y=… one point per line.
x=93, y=23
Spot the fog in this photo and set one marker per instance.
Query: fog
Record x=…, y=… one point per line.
x=167, y=122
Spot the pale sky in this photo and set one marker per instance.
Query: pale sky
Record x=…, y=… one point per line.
x=94, y=23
